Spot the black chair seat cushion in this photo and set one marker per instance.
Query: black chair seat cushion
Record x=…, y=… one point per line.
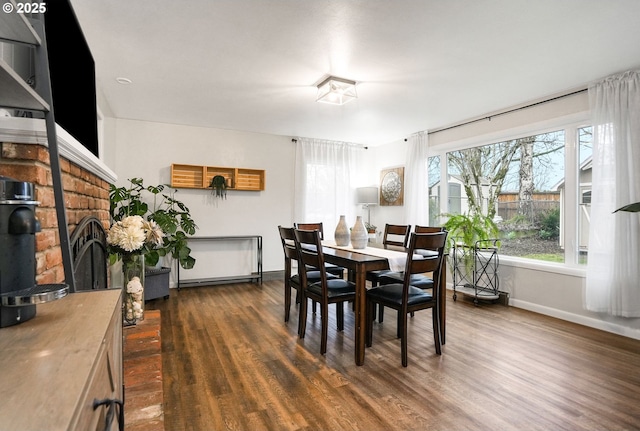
x=392, y=293
x=376, y=275
x=312, y=277
x=335, y=288
x=330, y=268
x=327, y=265
x=417, y=280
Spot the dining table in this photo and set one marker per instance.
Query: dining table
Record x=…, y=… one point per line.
x=358, y=262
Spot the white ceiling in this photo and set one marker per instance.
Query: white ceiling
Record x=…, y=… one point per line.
x=252, y=65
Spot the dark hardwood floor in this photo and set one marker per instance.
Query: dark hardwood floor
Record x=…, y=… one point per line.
x=231, y=363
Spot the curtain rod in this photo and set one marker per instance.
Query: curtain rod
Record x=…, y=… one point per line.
x=294, y=140
x=489, y=117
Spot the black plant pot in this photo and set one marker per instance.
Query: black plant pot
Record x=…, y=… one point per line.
x=156, y=283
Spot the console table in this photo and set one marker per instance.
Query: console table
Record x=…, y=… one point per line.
x=253, y=276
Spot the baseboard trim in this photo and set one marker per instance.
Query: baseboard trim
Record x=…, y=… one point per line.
x=576, y=318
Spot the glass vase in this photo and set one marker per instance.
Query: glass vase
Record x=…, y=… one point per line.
x=133, y=282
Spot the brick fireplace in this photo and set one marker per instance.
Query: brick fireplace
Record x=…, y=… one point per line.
x=86, y=189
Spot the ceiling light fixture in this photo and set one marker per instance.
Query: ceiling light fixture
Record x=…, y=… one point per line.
x=123, y=81
x=336, y=91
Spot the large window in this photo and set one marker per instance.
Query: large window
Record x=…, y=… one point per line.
x=540, y=203
x=434, y=190
x=585, y=147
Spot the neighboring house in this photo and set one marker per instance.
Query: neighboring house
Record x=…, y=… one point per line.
x=458, y=200
x=584, y=204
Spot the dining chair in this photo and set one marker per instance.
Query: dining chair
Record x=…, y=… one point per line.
x=395, y=237
x=421, y=281
x=331, y=268
x=326, y=291
x=405, y=298
x=428, y=229
x=287, y=238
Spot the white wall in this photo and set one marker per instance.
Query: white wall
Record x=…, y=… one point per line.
x=147, y=150
x=554, y=290
x=391, y=155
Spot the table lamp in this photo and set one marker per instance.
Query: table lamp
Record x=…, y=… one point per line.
x=367, y=196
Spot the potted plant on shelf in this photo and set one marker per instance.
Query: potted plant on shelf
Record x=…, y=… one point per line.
x=218, y=186
x=370, y=228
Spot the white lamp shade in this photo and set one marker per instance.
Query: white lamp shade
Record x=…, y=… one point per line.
x=367, y=195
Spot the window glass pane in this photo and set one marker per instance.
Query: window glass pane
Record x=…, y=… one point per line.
x=433, y=171
x=585, y=148
x=519, y=183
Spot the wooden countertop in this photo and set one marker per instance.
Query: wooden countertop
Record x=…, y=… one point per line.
x=47, y=361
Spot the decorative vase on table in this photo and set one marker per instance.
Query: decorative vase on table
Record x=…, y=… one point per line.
x=133, y=301
x=341, y=234
x=359, y=235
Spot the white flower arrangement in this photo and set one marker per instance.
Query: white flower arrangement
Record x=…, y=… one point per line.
x=130, y=238
x=133, y=234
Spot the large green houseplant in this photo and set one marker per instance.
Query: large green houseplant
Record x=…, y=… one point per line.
x=170, y=214
x=468, y=234
x=468, y=229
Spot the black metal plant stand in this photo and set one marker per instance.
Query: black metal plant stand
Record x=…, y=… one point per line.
x=475, y=270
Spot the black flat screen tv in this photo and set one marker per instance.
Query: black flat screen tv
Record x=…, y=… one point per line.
x=72, y=71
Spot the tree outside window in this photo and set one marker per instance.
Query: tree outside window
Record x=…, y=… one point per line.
x=518, y=184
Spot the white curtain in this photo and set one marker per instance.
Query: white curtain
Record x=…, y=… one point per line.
x=325, y=177
x=416, y=189
x=613, y=270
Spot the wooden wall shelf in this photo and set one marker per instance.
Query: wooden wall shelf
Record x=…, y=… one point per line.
x=199, y=177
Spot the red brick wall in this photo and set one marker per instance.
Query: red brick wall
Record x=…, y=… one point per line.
x=85, y=194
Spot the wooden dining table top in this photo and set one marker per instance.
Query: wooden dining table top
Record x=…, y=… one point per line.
x=395, y=257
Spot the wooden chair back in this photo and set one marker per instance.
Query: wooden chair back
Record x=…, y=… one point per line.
x=417, y=263
x=288, y=239
x=428, y=229
x=311, y=226
x=309, y=248
x=396, y=235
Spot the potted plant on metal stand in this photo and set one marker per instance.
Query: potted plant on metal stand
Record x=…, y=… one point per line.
x=473, y=252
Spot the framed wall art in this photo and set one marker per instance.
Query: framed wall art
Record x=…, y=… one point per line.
x=392, y=187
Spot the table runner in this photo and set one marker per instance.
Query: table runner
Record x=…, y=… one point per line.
x=397, y=259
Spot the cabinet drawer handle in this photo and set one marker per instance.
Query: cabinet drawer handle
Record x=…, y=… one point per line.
x=111, y=407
